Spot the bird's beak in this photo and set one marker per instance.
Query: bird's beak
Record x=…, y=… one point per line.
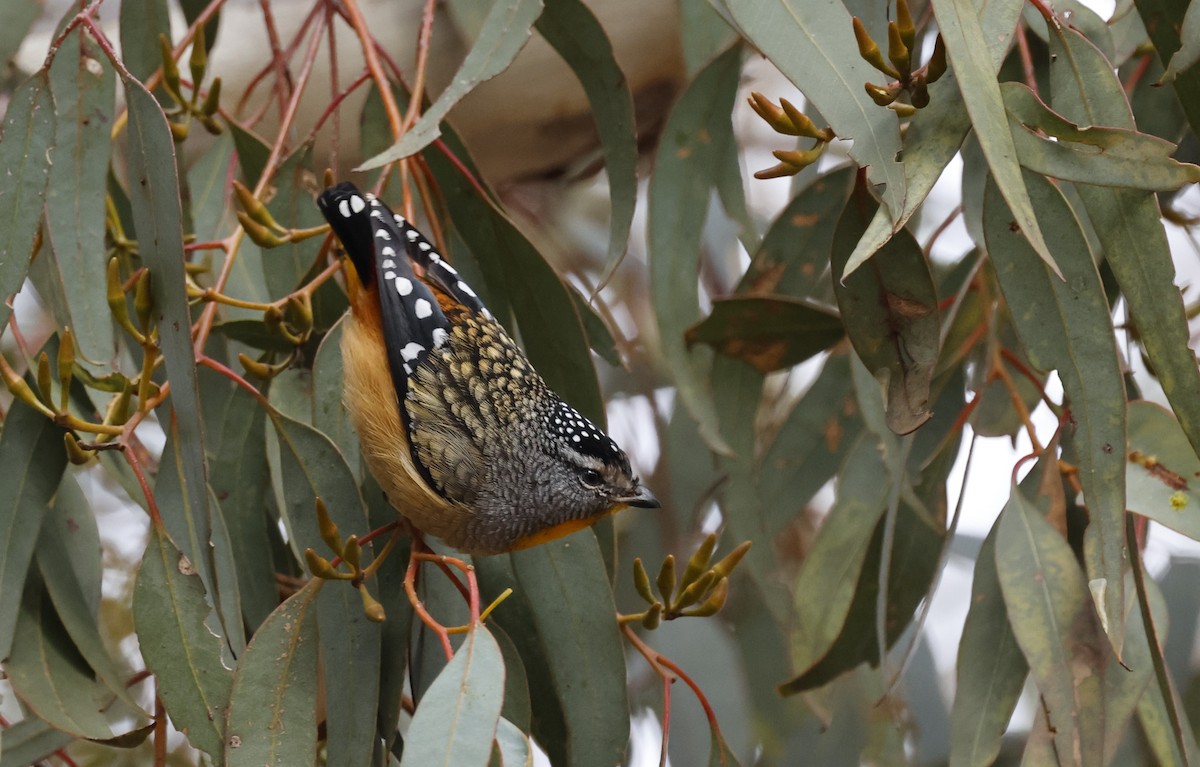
x=644, y=499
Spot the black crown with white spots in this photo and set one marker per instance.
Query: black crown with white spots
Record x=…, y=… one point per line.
x=584, y=437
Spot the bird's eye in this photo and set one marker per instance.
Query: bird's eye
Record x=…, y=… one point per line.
x=591, y=478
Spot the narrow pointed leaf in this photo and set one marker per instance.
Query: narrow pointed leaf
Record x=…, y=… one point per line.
x=567, y=587
x=169, y=611
x=1065, y=326
x=1049, y=608
x=1162, y=471
x=84, y=88
x=30, y=741
x=1189, y=51
x=571, y=28
x=31, y=452
x=273, y=702
x=350, y=648
x=1130, y=228
x=991, y=669
x=502, y=36
x=967, y=49
x=25, y=156
x=685, y=171
x=456, y=721
x=513, y=745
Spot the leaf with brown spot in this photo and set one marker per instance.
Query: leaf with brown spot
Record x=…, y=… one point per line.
x=768, y=332
x=890, y=312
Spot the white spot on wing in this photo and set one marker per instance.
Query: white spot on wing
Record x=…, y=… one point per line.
x=424, y=245
x=389, y=275
x=404, y=286
x=388, y=264
x=464, y=287
x=412, y=235
x=398, y=218
x=411, y=350
x=382, y=234
x=439, y=337
x=423, y=308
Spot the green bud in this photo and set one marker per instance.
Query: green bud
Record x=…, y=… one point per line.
x=652, y=617
x=641, y=581
x=698, y=562
x=666, y=578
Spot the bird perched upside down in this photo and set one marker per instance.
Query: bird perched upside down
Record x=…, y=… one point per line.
x=461, y=432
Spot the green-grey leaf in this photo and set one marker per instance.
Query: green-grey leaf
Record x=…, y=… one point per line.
x=770, y=332
x=504, y=33
x=991, y=669
x=329, y=415
x=1048, y=603
x=1104, y=156
x=350, y=654
x=1162, y=470
x=238, y=463
x=310, y=466
x=567, y=587
x=47, y=673
x=575, y=33
x=513, y=745
x=967, y=49
x=1130, y=228
x=74, y=609
x=1065, y=326
x=140, y=25
x=1189, y=52
x=169, y=611
x=455, y=722
x=825, y=588
x=25, y=156
x=32, y=454
x=31, y=740
x=15, y=22
x=891, y=315
x=685, y=170
x=273, y=702
x=813, y=45
x=84, y=86
x=157, y=215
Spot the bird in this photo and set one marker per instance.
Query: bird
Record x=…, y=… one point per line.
x=467, y=441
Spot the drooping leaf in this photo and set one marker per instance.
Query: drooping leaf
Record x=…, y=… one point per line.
x=350, y=645
x=1164, y=20
x=813, y=45
x=15, y=22
x=329, y=415
x=1091, y=155
x=154, y=195
x=25, y=156
x=31, y=740
x=1065, y=326
x=140, y=26
x=991, y=668
x=566, y=585
x=238, y=463
x=47, y=673
x=1129, y=226
x=503, y=34
x=825, y=588
x=685, y=170
x=513, y=745
x=273, y=700
x=83, y=85
x=170, y=612
x=1049, y=609
x=310, y=466
x=768, y=332
x=456, y=720
x=577, y=36
x=32, y=454
x=967, y=50
x=891, y=315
